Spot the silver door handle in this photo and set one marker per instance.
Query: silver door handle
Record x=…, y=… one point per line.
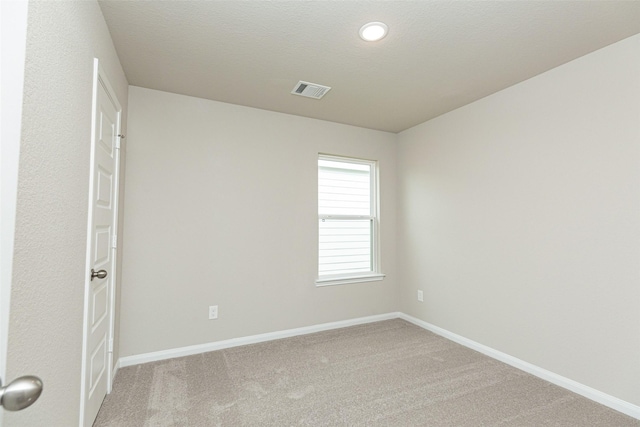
x=20, y=393
x=100, y=274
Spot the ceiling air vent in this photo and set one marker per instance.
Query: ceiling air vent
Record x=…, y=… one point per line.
x=310, y=90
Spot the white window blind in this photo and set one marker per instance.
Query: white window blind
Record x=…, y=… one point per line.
x=346, y=217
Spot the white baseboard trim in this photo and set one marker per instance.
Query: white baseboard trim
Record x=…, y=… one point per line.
x=253, y=339
x=574, y=386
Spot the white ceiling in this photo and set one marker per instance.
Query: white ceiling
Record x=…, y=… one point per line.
x=438, y=55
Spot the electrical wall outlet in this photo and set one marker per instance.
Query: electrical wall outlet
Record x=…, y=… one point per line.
x=420, y=296
x=213, y=312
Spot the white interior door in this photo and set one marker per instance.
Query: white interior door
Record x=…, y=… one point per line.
x=101, y=247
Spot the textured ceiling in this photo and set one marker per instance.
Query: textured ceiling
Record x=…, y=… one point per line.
x=437, y=56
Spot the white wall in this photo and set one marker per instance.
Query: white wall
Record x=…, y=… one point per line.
x=45, y=329
x=13, y=28
x=519, y=218
x=221, y=208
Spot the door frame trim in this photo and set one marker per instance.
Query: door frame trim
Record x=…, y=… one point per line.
x=100, y=78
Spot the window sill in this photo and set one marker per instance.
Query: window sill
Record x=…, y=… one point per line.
x=346, y=280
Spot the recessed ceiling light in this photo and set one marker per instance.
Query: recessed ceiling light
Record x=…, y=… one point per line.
x=373, y=31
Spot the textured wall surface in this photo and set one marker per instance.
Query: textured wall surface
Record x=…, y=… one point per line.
x=222, y=209
x=518, y=218
x=45, y=330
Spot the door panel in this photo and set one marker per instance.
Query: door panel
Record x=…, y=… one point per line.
x=98, y=366
x=101, y=250
x=100, y=306
x=104, y=189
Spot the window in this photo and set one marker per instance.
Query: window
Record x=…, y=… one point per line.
x=347, y=221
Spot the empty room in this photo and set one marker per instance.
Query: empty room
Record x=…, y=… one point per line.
x=320, y=213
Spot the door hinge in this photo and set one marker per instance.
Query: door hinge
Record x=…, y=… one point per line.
x=110, y=346
x=118, y=140
x=114, y=243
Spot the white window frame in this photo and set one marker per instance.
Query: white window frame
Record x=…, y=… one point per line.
x=375, y=274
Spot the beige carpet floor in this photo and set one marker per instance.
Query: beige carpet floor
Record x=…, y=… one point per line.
x=389, y=373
